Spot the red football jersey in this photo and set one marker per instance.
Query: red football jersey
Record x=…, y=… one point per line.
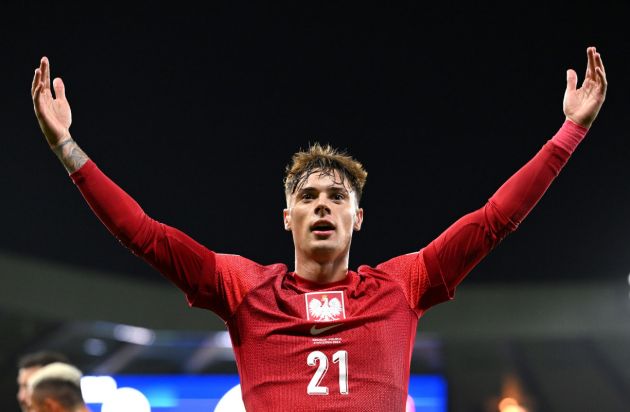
x=302, y=346
x=343, y=346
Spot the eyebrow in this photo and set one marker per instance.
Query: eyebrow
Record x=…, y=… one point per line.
x=337, y=189
x=329, y=189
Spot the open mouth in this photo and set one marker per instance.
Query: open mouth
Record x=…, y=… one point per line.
x=322, y=227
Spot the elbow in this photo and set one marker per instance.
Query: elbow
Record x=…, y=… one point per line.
x=498, y=225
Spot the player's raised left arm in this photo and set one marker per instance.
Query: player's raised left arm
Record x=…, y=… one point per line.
x=460, y=247
x=581, y=105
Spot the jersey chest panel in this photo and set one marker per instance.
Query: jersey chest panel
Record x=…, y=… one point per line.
x=355, y=359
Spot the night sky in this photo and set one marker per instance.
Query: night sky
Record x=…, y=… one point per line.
x=196, y=113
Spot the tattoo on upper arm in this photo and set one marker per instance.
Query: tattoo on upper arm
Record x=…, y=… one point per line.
x=70, y=155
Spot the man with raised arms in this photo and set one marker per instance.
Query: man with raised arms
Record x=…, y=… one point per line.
x=322, y=336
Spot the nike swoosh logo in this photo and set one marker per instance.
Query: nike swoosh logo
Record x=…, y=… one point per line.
x=316, y=331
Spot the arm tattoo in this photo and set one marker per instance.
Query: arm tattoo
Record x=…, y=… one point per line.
x=70, y=155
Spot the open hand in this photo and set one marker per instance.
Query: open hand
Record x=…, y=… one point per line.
x=53, y=113
x=582, y=105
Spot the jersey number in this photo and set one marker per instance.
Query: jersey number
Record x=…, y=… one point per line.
x=340, y=357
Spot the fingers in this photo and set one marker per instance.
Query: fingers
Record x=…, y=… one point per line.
x=571, y=80
x=590, y=64
x=45, y=67
x=37, y=91
x=60, y=89
x=37, y=101
x=602, y=80
x=600, y=65
x=36, y=79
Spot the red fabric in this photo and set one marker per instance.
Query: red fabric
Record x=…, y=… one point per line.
x=570, y=137
x=266, y=308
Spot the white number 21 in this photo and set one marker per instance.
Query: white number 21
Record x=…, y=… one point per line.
x=340, y=357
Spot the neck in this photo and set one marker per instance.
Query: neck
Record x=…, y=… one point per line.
x=322, y=271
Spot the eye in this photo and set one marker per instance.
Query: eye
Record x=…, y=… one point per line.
x=307, y=196
x=338, y=196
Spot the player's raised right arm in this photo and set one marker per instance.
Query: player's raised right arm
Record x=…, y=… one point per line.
x=171, y=252
x=54, y=117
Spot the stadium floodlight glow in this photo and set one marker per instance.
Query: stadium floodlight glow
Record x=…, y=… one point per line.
x=97, y=389
x=510, y=405
x=126, y=400
x=134, y=334
x=222, y=340
x=411, y=404
x=95, y=347
x=232, y=401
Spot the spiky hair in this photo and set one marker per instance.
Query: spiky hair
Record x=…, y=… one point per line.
x=324, y=160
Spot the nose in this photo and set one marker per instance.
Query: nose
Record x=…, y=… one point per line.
x=322, y=208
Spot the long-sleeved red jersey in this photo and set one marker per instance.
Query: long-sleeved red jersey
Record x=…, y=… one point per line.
x=343, y=346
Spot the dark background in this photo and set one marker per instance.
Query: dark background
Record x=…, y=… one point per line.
x=196, y=111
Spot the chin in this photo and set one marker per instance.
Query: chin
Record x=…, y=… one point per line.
x=324, y=250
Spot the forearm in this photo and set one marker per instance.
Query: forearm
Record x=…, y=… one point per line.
x=464, y=244
x=70, y=155
x=521, y=192
x=170, y=251
x=118, y=211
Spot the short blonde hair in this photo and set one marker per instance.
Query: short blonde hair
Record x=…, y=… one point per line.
x=324, y=160
x=57, y=370
x=58, y=381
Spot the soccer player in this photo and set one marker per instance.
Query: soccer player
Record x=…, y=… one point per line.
x=322, y=336
x=27, y=366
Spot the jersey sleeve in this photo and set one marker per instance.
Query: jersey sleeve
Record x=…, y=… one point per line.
x=421, y=288
x=210, y=280
x=444, y=262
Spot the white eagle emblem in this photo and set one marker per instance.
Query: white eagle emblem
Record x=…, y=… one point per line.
x=325, y=308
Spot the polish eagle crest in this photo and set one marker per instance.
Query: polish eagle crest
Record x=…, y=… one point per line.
x=325, y=309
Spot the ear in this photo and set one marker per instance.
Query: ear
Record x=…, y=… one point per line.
x=358, y=219
x=286, y=214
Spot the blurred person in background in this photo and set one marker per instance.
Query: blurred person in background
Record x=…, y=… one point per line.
x=29, y=364
x=56, y=388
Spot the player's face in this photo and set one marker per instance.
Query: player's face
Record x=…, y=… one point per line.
x=322, y=216
x=23, y=396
